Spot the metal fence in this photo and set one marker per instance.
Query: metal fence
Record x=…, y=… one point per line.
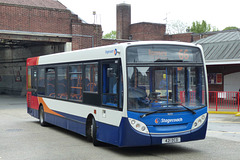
x=227, y=101
x=224, y=101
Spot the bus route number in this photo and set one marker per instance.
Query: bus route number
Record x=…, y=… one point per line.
x=183, y=55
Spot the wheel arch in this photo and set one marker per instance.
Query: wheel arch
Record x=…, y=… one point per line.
x=88, y=126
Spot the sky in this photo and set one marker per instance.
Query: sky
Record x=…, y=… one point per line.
x=219, y=14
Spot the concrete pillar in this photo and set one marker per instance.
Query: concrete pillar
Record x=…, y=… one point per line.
x=68, y=47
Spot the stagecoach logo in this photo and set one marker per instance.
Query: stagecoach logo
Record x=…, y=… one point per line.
x=157, y=120
x=115, y=52
x=163, y=120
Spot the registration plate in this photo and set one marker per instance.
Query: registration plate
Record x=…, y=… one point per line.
x=171, y=140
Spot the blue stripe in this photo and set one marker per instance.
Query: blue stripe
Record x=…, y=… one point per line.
x=70, y=122
x=72, y=117
x=122, y=136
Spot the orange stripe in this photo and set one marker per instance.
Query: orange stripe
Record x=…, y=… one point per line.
x=46, y=108
x=37, y=60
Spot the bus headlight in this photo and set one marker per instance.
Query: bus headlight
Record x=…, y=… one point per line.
x=199, y=121
x=139, y=126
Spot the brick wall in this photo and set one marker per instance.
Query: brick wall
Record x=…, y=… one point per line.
x=123, y=20
x=46, y=20
x=39, y=19
x=86, y=35
x=34, y=19
x=147, y=31
x=184, y=37
x=113, y=41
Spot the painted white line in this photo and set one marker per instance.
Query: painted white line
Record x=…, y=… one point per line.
x=223, y=132
x=222, y=122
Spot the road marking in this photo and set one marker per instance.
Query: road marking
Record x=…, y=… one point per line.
x=223, y=122
x=224, y=132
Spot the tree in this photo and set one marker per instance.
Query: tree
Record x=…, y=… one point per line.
x=176, y=27
x=198, y=27
x=230, y=28
x=111, y=35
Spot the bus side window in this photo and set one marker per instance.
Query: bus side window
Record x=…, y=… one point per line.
x=41, y=81
x=75, y=84
x=62, y=86
x=50, y=78
x=91, y=78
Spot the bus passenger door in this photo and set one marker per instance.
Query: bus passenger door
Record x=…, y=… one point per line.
x=111, y=100
x=110, y=80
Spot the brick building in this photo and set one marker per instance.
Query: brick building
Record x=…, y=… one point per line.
x=148, y=31
x=31, y=28
x=36, y=27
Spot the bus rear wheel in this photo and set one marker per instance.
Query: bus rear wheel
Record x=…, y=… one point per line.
x=41, y=117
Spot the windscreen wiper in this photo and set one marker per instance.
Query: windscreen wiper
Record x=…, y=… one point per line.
x=146, y=114
x=193, y=112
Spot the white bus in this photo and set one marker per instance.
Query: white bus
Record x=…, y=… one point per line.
x=128, y=94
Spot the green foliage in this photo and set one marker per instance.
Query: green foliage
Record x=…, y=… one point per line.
x=230, y=28
x=214, y=29
x=200, y=27
x=111, y=35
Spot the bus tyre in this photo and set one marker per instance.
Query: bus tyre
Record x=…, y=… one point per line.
x=41, y=117
x=91, y=131
x=94, y=133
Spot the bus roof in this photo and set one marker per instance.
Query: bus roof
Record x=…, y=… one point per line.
x=103, y=52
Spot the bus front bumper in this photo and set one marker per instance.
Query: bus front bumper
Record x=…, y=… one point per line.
x=129, y=137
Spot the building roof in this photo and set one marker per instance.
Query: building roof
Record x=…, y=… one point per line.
x=222, y=48
x=55, y=4
x=225, y=36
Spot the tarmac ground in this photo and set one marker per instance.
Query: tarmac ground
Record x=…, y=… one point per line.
x=22, y=138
